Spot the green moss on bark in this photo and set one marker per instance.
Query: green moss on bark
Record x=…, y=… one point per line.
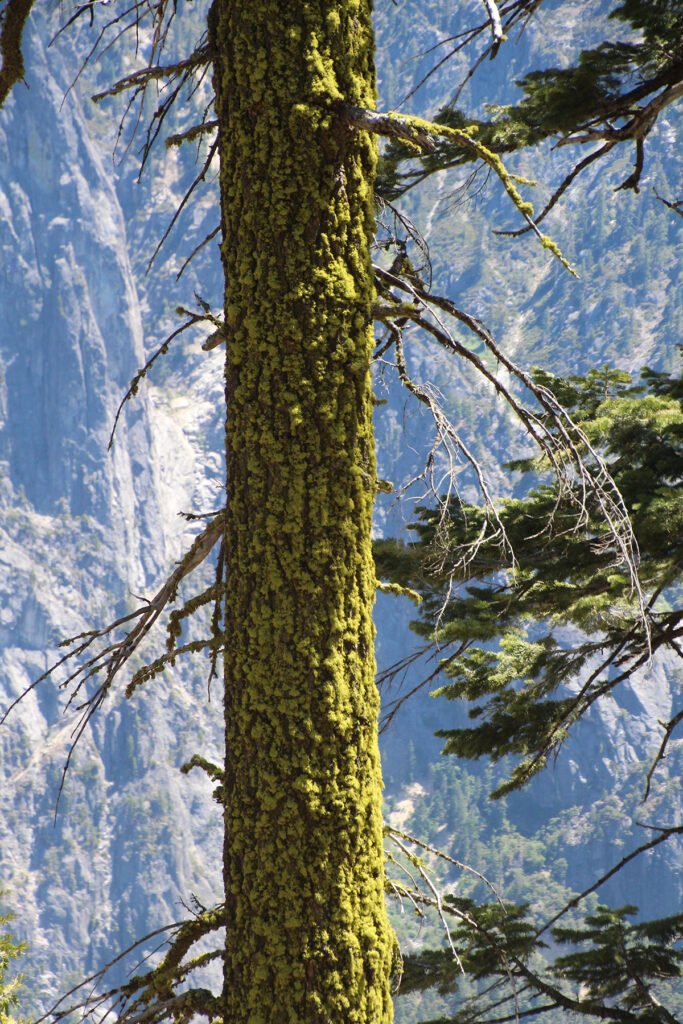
x=307, y=934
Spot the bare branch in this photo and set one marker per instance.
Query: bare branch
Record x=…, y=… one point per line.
x=586, y=162
x=665, y=833
x=117, y=653
x=513, y=12
x=416, y=862
x=677, y=207
x=135, y=382
x=143, y=76
x=567, y=446
x=392, y=708
x=393, y=832
x=200, y=177
x=661, y=753
x=197, y=248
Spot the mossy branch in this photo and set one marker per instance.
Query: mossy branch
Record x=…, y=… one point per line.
x=419, y=133
x=195, y=132
x=399, y=591
x=147, y=998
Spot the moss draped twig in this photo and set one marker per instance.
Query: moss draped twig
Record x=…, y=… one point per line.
x=420, y=134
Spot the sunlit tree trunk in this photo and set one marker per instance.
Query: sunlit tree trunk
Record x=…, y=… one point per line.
x=307, y=933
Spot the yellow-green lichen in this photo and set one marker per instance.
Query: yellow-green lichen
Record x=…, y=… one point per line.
x=307, y=936
x=465, y=137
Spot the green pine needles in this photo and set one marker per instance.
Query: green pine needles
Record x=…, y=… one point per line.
x=10, y=981
x=541, y=640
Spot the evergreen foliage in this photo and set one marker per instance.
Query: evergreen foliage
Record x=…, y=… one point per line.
x=613, y=93
x=528, y=679
x=534, y=645
x=9, y=983
x=613, y=972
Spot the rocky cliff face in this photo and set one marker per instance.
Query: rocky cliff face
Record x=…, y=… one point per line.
x=83, y=530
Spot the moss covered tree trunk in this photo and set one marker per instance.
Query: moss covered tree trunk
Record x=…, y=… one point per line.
x=307, y=934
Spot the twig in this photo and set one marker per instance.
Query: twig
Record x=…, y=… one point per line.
x=149, y=74
x=181, y=206
x=116, y=655
x=665, y=834
x=668, y=729
x=415, y=861
x=677, y=207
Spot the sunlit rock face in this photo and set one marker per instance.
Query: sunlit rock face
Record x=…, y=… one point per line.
x=83, y=530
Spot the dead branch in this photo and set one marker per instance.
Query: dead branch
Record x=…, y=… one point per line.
x=560, y=190
x=153, y=73
x=641, y=122
x=416, y=862
x=448, y=438
x=181, y=206
x=513, y=12
x=677, y=206
x=117, y=653
x=392, y=708
x=661, y=753
x=665, y=833
x=563, y=449
x=392, y=832
x=135, y=382
x=496, y=26
x=197, y=248
x=140, y=12
x=98, y=976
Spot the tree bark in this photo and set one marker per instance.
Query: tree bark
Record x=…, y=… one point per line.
x=307, y=933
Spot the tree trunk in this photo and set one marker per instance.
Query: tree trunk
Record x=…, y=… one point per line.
x=307, y=934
